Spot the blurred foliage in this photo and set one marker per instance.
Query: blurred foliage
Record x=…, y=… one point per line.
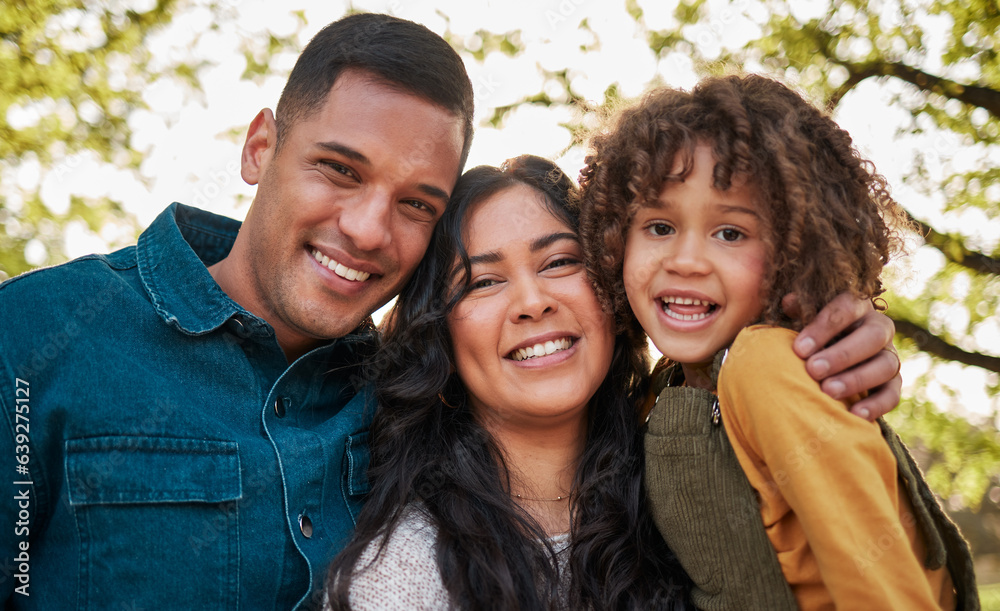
x=963, y=458
x=71, y=72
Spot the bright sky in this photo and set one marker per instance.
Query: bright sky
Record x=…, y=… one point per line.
x=193, y=140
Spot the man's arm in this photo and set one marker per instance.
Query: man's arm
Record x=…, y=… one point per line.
x=863, y=360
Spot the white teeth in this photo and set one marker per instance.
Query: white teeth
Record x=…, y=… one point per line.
x=686, y=301
x=340, y=269
x=549, y=347
x=673, y=314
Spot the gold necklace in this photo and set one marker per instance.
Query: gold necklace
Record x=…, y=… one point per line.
x=528, y=498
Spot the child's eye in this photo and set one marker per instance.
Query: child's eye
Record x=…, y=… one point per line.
x=659, y=229
x=729, y=234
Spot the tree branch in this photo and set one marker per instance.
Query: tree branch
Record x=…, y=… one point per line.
x=928, y=342
x=955, y=251
x=973, y=95
x=856, y=74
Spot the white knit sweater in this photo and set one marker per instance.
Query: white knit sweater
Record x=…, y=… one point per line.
x=405, y=575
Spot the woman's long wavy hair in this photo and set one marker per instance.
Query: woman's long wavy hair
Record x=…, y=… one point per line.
x=829, y=222
x=425, y=451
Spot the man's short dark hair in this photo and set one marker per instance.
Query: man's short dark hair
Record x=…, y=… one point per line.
x=398, y=52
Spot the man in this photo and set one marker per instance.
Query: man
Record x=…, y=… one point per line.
x=185, y=418
x=188, y=443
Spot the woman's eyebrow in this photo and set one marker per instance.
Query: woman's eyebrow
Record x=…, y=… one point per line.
x=487, y=257
x=537, y=244
x=552, y=238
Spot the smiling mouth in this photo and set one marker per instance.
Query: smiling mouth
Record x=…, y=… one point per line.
x=340, y=269
x=686, y=308
x=542, y=349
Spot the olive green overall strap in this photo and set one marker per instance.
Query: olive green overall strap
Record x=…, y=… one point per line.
x=706, y=508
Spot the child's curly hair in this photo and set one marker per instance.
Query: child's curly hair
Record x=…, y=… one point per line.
x=821, y=202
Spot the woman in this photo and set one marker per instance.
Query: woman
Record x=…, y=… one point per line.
x=519, y=486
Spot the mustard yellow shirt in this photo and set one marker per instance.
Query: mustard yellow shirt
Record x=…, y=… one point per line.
x=832, y=505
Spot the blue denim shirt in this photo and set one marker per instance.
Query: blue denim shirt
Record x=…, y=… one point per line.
x=158, y=451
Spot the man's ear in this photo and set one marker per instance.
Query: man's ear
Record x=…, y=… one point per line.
x=258, y=150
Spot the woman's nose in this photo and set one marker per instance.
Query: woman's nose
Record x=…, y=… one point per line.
x=531, y=300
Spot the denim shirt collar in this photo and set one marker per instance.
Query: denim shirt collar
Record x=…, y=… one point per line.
x=173, y=256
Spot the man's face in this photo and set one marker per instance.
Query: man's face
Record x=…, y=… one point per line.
x=345, y=208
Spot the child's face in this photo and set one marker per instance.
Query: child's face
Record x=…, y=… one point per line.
x=694, y=264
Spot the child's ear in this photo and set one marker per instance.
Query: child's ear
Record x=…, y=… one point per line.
x=790, y=305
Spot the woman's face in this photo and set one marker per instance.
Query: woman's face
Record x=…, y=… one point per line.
x=530, y=340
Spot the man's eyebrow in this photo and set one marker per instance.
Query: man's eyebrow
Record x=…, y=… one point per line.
x=435, y=192
x=353, y=155
x=346, y=151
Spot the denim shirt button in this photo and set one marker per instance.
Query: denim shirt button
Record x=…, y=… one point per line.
x=238, y=328
x=306, y=526
x=279, y=407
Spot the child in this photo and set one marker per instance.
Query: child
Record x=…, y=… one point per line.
x=705, y=209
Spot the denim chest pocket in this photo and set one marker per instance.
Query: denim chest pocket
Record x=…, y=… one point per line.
x=157, y=520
